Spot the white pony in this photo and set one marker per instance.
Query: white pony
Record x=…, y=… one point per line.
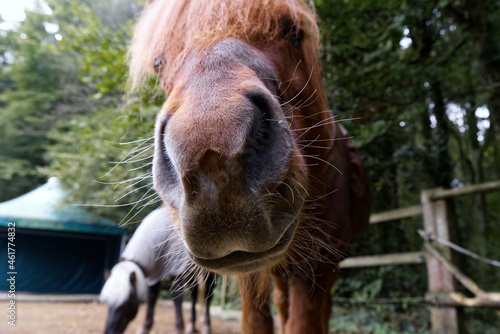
x=153, y=254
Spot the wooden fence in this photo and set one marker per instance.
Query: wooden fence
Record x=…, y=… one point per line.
x=440, y=269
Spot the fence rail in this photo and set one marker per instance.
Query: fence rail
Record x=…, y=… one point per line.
x=440, y=269
x=383, y=260
x=414, y=210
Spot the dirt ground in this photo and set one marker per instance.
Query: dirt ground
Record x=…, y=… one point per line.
x=89, y=318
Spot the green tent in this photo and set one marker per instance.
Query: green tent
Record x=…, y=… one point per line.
x=58, y=248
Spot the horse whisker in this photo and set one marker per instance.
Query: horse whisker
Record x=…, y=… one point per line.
x=300, y=92
x=132, y=191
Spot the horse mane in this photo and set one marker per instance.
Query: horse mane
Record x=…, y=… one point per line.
x=117, y=288
x=170, y=29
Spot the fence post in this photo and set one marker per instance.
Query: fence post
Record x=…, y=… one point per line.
x=223, y=290
x=444, y=319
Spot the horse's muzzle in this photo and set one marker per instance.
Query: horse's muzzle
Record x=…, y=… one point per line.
x=239, y=262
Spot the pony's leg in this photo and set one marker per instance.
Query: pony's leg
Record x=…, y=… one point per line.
x=280, y=296
x=193, y=294
x=177, y=295
x=209, y=289
x=256, y=313
x=310, y=303
x=153, y=292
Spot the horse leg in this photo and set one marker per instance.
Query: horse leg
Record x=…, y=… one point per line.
x=256, y=313
x=310, y=303
x=177, y=295
x=280, y=296
x=153, y=292
x=209, y=289
x=193, y=294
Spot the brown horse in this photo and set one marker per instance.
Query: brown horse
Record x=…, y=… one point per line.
x=258, y=178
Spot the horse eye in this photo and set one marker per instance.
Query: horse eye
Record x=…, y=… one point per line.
x=292, y=34
x=158, y=64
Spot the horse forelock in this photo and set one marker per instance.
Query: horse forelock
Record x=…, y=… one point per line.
x=117, y=288
x=170, y=30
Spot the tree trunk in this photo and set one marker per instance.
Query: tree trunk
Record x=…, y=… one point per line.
x=476, y=159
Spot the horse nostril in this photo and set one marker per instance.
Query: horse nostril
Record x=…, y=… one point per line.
x=261, y=101
x=166, y=178
x=262, y=133
x=269, y=144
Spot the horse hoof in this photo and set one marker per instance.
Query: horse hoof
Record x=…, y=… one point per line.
x=190, y=329
x=206, y=329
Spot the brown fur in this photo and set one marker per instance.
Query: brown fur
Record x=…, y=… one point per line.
x=248, y=159
x=198, y=24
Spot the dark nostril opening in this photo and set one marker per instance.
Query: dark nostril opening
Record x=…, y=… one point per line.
x=262, y=132
x=161, y=133
x=165, y=174
x=168, y=165
x=260, y=100
x=267, y=151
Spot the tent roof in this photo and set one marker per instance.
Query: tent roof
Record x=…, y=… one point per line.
x=41, y=209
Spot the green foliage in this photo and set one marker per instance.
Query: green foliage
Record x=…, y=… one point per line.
x=379, y=319
x=89, y=154
x=102, y=51
x=64, y=113
x=86, y=156
x=35, y=86
x=483, y=321
x=395, y=90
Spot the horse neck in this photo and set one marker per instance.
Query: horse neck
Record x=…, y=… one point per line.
x=140, y=283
